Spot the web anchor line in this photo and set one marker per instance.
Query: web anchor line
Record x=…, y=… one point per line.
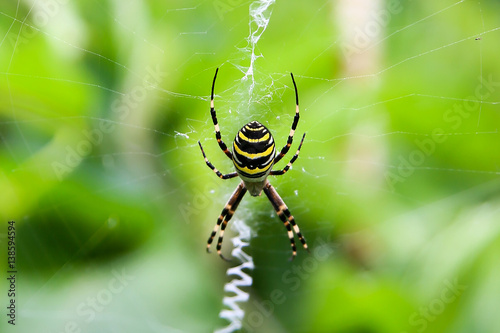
x=234, y=295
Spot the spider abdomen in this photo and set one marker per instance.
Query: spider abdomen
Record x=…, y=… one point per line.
x=253, y=152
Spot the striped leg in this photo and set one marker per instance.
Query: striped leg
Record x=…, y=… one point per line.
x=285, y=149
x=225, y=216
x=285, y=216
x=211, y=166
x=218, y=136
x=281, y=172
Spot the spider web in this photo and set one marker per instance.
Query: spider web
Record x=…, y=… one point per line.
x=120, y=117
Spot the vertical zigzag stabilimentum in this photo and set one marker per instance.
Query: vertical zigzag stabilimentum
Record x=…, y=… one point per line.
x=234, y=295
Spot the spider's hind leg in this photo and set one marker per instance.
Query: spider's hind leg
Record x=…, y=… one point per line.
x=225, y=216
x=286, y=217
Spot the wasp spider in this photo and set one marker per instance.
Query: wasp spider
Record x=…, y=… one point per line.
x=253, y=155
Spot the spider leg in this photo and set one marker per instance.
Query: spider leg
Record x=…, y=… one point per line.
x=285, y=169
x=214, y=169
x=285, y=216
x=218, y=136
x=225, y=216
x=285, y=149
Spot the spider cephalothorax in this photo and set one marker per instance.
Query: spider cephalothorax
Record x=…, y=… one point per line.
x=253, y=155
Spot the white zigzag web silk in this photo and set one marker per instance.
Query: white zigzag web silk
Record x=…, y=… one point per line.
x=234, y=314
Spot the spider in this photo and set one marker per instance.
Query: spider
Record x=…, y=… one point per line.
x=253, y=155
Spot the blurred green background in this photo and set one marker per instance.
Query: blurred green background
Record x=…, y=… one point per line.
x=396, y=189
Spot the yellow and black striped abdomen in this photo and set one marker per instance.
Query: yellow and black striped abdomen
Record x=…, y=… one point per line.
x=253, y=152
